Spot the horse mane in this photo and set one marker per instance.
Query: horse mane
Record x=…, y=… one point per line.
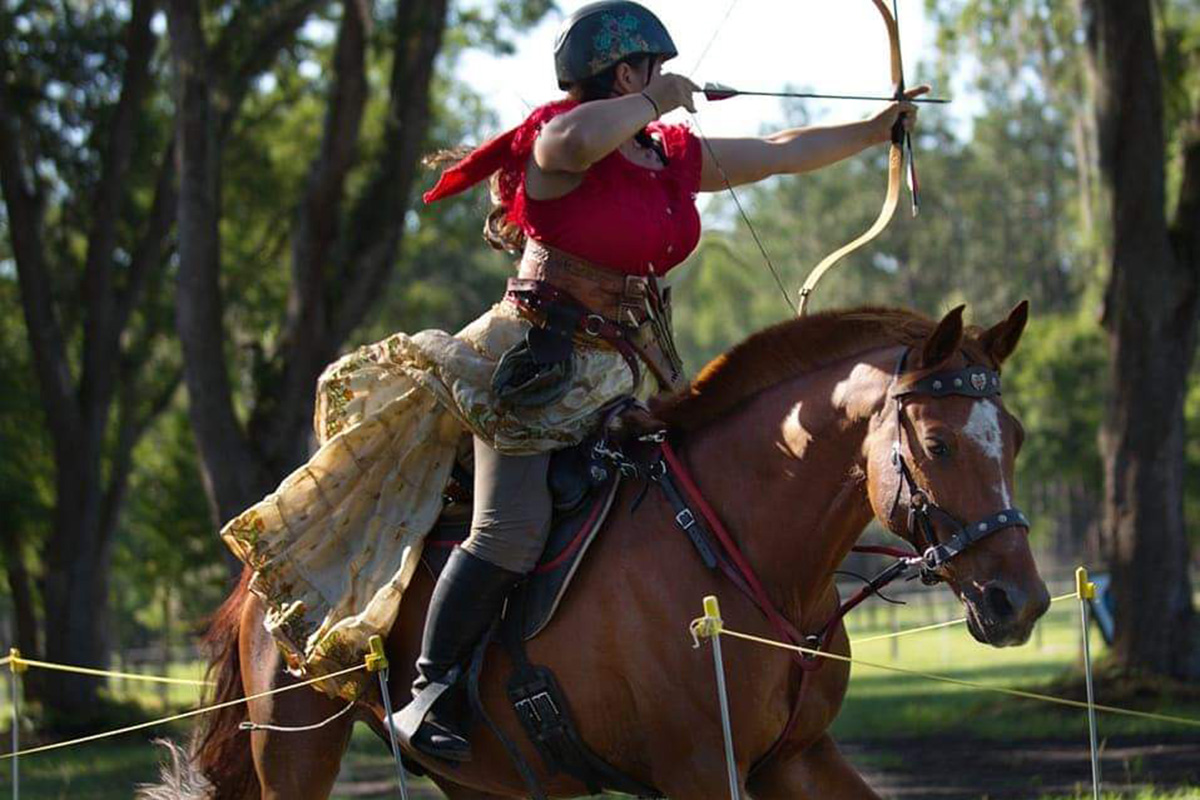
x=790, y=349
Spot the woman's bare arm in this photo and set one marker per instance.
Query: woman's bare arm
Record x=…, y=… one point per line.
x=573, y=141
x=792, y=151
x=798, y=150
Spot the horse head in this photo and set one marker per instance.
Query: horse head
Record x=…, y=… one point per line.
x=940, y=456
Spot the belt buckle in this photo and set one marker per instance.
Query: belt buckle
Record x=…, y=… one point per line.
x=635, y=287
x=534, y=706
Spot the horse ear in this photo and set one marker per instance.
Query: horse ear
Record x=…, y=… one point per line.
x=944, y=340
x=1001, y=340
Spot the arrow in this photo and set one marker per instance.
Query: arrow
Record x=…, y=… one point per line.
x=716, y=91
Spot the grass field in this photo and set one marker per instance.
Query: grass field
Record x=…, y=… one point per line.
x=917, y=704
x=882, y=707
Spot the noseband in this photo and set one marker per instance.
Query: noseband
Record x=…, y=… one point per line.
x=973, y=381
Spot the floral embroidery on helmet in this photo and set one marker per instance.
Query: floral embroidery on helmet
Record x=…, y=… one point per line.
x=616, y=39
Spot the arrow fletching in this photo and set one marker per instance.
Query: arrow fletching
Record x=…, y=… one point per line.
x=718, y=91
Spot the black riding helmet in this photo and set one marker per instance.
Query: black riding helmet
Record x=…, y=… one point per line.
x=599, y=35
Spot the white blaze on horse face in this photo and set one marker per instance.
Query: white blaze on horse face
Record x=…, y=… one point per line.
x=983, y=428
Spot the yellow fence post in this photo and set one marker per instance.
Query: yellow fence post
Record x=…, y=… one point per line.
x=1086, y=590
x=377, y=662
x=709, y=627
x=15, y=667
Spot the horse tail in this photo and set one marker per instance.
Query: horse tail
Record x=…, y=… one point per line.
x=221, y=750
x=219, y=764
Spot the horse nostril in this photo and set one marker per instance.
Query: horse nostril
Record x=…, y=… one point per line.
x=997, y=601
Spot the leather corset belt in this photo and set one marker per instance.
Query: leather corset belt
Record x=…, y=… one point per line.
x=633, y=302
x=613, y=295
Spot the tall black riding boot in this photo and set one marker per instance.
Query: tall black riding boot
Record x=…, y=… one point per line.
x=466, y=599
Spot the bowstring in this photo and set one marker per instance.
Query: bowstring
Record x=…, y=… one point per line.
x=721, y=170
x=716, y=32
x=745, y=217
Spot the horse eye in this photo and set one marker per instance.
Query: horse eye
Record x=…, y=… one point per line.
x=937, y=449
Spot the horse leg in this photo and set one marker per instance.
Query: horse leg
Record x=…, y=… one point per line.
x=296, y=766
x=692, y=766
x=817, y=772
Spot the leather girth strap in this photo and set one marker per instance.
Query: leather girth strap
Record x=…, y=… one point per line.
x=542, y=708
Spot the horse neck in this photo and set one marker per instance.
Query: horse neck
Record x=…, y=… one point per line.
x=795, y=515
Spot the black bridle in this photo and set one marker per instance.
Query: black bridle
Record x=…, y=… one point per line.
x=974, y=381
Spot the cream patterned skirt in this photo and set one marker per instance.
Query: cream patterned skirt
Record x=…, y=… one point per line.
x=334, y=547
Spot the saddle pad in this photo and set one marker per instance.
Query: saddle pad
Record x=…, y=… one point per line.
x=570, y=537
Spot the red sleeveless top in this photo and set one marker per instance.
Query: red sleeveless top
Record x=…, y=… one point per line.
x=622, y=216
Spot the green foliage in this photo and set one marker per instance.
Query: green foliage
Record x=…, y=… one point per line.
x=1055, y=384
x=447, y=275
x=1191, y=495
x=1186, y=793
x=991, y=232
x=493, y=26
x=26, y=468
x=166, y=541
x=1179, y=43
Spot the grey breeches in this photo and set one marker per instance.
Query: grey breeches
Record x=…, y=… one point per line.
x=511, y=517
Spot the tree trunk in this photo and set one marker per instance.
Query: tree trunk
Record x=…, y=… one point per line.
x=78, y=374
x=1151, y=308
x=335, y=243
x=229, y=468
x=76, y=592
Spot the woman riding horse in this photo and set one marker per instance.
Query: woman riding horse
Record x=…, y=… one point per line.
x=600, y=197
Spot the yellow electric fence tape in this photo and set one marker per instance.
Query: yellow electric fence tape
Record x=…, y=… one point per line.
x=936, y=625
x=22, y=663
x=194, y=712
x=959, y=682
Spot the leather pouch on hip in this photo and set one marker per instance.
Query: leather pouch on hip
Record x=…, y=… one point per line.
x=537, y=371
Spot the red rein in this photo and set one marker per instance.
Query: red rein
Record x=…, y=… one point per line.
x=746, y=572
x=758, y=593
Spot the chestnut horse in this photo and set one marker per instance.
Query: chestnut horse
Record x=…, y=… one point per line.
x=790, y=437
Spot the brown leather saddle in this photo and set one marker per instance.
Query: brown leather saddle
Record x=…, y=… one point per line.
x=583, y=486
x=584, y=482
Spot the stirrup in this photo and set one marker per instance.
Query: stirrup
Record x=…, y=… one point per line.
x=435, y=739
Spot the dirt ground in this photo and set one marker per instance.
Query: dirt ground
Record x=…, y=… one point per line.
x=952, y=768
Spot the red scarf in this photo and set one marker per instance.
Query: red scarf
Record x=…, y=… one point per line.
x=506, y=153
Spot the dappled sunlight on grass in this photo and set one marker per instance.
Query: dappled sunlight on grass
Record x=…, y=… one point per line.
x=914, y=704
